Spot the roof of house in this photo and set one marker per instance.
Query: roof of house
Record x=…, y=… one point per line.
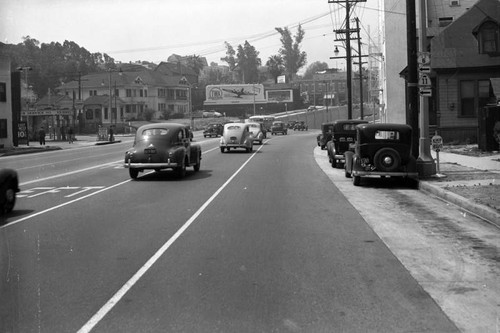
x=457, y=47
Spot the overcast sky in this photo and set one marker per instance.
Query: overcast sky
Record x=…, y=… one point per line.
x=152, y=30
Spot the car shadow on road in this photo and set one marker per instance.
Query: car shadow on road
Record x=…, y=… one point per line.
x=14, y=214
x=170, y=175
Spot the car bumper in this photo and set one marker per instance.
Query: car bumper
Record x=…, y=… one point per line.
x=340, y=158
x=168, y=164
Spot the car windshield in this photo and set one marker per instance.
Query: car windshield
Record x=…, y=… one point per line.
x=387, y=135
x=154, y=132
x=349, y=127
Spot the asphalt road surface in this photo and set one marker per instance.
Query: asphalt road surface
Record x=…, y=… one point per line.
x=259, y=242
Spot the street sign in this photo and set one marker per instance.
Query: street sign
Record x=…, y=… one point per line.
x=437, y=143
x=424, y=80
x=424, y=69
x=425, y=92
x=424, y=58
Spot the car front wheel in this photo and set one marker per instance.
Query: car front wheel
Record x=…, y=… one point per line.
x=133, y=173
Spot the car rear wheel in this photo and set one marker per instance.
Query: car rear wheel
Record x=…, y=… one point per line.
x=181, y=170
x=221, y=149
x=9, y=194
x=198, y=164
x=387, y=160
x=356, y=180
x=133, y=173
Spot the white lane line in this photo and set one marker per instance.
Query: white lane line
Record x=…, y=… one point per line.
x=86, y=169
x=63, y=204
x=96, y=318
x=68, y=173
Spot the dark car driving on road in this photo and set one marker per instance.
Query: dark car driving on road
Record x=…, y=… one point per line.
x=381, y=150
x=163, y=146
x=279, y=127
x=214, y=129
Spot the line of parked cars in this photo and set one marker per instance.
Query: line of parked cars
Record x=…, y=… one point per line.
x=367, y=150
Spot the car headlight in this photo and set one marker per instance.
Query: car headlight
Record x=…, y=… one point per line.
x=222, y=141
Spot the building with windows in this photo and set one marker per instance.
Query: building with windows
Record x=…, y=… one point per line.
x=463, y=36
x=118, y=96
x=465, y=57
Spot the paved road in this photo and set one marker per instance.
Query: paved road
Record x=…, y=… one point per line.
x=253, y=242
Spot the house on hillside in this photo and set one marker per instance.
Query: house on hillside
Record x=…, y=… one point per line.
x=465, y=57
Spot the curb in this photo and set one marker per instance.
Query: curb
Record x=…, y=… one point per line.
x=482, y=211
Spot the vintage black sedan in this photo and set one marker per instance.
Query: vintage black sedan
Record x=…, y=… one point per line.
x=325, y=135
x=163, y=146
x=279, y=127
x=214, y=129
x=9, y=186
x=382, y=150
x=342, y=137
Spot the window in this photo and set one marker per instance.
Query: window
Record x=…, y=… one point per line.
x=3, y=128
x=488, y=37
x=117, y=92
x=170, y=93
x=473, y=96
x=467, y=99
x=444, y=21
x=3, y=92
x=454, y=3
x=105, y=113
x=141, y=93
x=128, y=92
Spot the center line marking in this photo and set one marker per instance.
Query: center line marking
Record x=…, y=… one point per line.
x=96, y=318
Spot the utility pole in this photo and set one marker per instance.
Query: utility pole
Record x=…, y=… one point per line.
x=348, y=50
x=361, y=112
x=412, y=83
x=425, y=163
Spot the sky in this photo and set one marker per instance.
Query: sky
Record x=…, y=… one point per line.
x=152, y=30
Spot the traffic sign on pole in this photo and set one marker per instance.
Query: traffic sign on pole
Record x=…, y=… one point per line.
x=424, y=80
x=425, y=92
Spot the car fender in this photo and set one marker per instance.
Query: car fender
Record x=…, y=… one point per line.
x=349, y=157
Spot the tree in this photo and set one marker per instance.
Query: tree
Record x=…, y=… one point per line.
x=293, y=58
x=275, y=66
x=316, y=66
x=195, y=63
x=246, y=62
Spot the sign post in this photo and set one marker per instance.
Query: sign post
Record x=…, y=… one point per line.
x=22, y=133
x=437, y=145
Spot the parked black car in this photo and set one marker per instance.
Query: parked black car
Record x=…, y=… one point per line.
x=214, y=129
x=342, y=138
x=325, y=136
x=381, y=150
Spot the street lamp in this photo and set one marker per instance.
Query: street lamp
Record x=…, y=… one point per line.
x=349, y=76
x=25, y=70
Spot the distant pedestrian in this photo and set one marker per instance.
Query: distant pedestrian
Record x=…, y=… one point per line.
x=70, y=135
x=41, y=136
x=111, y=134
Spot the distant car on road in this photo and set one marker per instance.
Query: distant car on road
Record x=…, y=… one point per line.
x=300, y=126
x=256, y=132
x=312, y=108
x=236, y=135
x=291, y=124
x=342, y=138
x=214, y=129
x=279, y=127
x=381, y=150
x=163, y=146
x=9, y=186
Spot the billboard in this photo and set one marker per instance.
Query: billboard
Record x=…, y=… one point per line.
x=224, y=94
x=285, y=96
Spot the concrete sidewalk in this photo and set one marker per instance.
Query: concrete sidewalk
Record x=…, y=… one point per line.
x=470, y=182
